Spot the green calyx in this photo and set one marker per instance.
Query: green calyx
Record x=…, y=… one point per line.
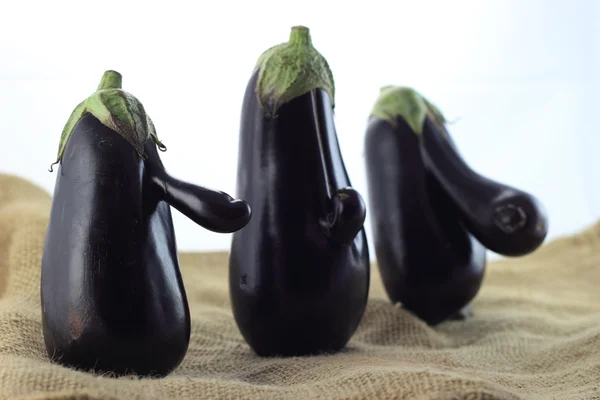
x=408, y=104
x=291, y=69
x=117, y=110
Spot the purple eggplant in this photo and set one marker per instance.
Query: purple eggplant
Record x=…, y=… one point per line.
x=299, y=271
x=112, y=295
x=427, y=259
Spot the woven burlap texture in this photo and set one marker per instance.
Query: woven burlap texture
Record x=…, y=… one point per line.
x=535, y=333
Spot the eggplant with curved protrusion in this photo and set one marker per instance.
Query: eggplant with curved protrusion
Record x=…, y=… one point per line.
x=427, y=259
x=504, y=219
x=299, y=271
x=112, y=295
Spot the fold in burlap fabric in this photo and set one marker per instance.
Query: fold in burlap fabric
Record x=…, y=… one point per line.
x=535, y=333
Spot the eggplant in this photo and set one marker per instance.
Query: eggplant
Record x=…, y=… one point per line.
x=506, y=220
x=299, y=271
x=427, y=259
x=112, y=295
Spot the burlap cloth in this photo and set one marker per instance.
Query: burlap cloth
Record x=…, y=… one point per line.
x=535, y=335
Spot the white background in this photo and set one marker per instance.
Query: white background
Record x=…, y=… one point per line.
x=521, y=78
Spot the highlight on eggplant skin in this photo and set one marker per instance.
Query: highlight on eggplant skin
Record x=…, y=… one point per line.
x=112, y=295
x=427, y=259
x=299, y=271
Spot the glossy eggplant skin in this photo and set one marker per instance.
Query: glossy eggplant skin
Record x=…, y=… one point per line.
x=504, y=219
x=112, y=294
x=427, y=259
x=213, y=210
x=299, y=271
x=111, y=290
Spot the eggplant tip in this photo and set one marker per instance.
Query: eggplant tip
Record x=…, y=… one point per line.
x=348, y=216
x=239, y=217
x=510, y=218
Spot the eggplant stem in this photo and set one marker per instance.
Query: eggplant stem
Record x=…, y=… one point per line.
x=290, y=70
x=300, y=35
x=110, y=80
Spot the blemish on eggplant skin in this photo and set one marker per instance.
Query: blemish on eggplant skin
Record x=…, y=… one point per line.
x=76, y=324
x=105, y=144
x=244, y=279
